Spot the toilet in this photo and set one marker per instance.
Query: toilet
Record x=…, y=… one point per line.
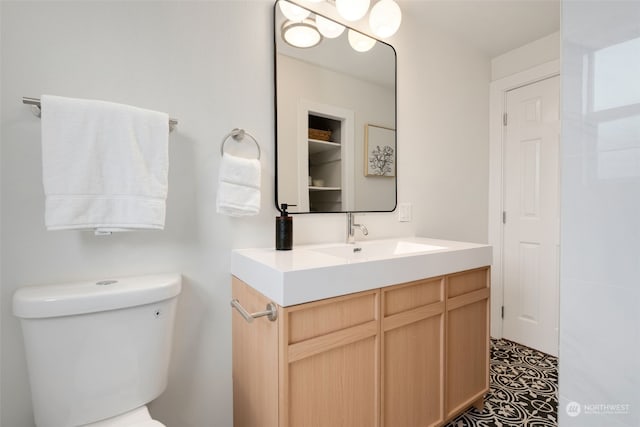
x=98, y=351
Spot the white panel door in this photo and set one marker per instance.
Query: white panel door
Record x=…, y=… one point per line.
x=531, y=204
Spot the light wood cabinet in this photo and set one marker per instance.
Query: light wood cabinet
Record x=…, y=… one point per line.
x=467, y=340
x=329, y=362
x=412, y=354
x=255, y=363
x=399, y=356
x=316, y=366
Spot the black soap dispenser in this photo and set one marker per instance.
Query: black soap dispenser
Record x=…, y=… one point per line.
x=284, y=229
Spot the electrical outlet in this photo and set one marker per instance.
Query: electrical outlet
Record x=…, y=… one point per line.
x=404, y=212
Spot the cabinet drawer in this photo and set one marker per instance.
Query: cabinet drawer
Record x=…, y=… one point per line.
x=466, y=282
x=315, y=319
x=412, y=295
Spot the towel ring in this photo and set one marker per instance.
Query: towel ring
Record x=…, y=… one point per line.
x=238, y=135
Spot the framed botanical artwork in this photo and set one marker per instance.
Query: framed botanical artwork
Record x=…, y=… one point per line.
x=379, y=151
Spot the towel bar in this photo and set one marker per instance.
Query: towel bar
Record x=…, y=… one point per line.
x=35, y=102
x=271, y=311
x=238, y=135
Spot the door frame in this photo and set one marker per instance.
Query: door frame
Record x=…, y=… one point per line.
x=497, y=106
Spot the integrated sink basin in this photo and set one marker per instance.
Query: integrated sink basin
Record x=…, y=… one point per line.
x=373, y=250
x=314, y=272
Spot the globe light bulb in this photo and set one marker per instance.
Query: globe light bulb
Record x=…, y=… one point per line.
x=385, y=18
x=328, y=28
x=359, y=42
x=352, y=10
x=302, y=34
x=293, y=12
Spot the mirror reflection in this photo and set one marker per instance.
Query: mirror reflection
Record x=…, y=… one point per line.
x=336, y=116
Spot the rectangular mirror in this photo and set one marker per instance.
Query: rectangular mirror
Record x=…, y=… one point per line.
x=335, y=116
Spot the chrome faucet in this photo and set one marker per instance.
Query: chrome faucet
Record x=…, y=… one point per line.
x=351, y=228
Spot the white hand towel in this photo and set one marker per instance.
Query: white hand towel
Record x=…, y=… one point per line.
x=104, y=165
x=238, y=186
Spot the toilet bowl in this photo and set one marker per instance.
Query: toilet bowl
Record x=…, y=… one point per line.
x=98, y=352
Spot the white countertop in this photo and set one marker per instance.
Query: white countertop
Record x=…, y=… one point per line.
x=308, y=273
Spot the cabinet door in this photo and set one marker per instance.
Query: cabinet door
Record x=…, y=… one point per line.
x=412, y=354
x=467, y=337
x=330, y=364
x=255, y=362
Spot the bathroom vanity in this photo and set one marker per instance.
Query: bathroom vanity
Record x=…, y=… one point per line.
x=383, y=333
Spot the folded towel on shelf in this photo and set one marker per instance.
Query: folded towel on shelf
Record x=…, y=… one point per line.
x=104, y=165
x=238, y=186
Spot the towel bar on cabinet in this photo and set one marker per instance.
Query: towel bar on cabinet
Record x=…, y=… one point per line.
x=271, y=311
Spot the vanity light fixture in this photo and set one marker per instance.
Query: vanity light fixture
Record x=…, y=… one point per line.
x=293, y=12
x=303, y=34
x=328, y=28
x=352, y=10
x=385, y=18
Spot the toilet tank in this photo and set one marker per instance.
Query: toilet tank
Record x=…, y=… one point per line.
x=96, y=349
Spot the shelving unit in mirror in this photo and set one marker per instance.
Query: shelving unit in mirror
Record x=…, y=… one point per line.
x=325, y=163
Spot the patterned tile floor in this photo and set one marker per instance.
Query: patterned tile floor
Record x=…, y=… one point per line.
x=523, y=390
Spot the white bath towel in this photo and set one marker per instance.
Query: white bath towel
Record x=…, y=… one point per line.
x=104, y=165
x=238, y=186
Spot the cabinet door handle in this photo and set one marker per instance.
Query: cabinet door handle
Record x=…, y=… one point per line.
x=271, y=311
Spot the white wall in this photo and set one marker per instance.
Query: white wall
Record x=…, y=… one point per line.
x=182, y=58
x=208, y=64
x=443, y=126
x=600, y=258
x=525, y=57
